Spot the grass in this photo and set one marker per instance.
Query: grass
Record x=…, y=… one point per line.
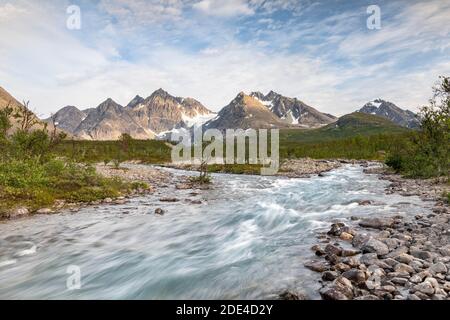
x=147, y=151
x=235, y=168
x=33, y=184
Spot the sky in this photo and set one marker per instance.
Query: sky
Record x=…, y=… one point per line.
x=321, y=52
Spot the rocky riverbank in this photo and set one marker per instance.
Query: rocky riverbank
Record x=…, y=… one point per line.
x=432, y=189
x=293, y=168
x=388, y=258
x=154, y=178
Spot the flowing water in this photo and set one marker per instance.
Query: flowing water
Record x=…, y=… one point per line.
x=248, y=239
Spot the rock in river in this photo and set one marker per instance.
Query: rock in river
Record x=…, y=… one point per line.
x=340, y=289
x=377, y=223
x=317, y=266
x=375, y=246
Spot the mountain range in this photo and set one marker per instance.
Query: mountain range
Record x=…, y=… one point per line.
x=161, y=113
x=390, y=111
x=141, y=118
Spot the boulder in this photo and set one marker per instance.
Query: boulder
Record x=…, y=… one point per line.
x=367, y=297
x=346, y=236
x=159, y=211
x=369, y=259
x=289, y=295
x=169, y=200
x=340, y=289
x=399, y=281
x=355, y=275
x=44, y=211
x=377, y=223
x=425, y=288
x=438, y=268
x=404, y=258
x=349, y=252
x=336, y=229
x=421, y=254
x=375, y=246
x=317, y=266
x=329, y=275
x=359, y=239
x=403, y=268
x=395, y=253
x=18, y=212
x=332, y=249
x=341, y=267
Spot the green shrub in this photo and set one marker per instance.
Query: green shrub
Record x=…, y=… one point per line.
x=427, y=153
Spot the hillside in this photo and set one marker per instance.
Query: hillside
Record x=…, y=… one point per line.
x=7, y=100
x=350, y=125
x=390, y=111
x=293, y=111
x=245, y=112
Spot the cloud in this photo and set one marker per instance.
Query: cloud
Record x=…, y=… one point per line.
x=134, y=47
x=229, y=8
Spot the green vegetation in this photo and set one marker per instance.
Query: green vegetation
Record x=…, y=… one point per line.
x=32, y=176
x=147, y=151
x=427, y=152
x=204, y=177
x=38, y=167
x=235, y=168
x=348, y=126
x=353, y=136
x=35, y=184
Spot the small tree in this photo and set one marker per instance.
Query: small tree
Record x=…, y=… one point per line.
x=5, y=122
x=125, y=141
x=428, y=152
x=27, y=119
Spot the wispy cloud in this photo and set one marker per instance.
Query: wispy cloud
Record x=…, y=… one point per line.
x=319, y=52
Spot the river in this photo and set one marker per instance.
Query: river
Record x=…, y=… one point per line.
x=248, y=239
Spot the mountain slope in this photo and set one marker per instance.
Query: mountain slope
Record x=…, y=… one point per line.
x=245, y=112
x=390, y=111
x=293, y=111
x=349, y=125
x=141, y=118
x=68, y=118
x=162, y=112
x=108, y=122
x=7, y=100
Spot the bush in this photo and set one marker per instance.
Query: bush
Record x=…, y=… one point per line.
x=427, y=154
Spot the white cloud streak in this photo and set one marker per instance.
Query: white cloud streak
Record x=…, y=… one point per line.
x=42, y=61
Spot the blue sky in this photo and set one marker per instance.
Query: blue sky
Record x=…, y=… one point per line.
x=318, y=51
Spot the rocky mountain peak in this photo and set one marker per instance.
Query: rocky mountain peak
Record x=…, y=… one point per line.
x=109, y=105
x=161, y=93
x=135, y=102
x=293, y=111
x=390, y=111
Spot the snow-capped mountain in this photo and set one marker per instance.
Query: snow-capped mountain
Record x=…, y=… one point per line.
x=293, y=111
x=244, y=112
x=142, y=118
x=108, y=122
x=390, y=111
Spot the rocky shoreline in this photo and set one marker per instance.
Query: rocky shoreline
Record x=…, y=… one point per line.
x=387, y=258
x=155, y=178
x=292, y=168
